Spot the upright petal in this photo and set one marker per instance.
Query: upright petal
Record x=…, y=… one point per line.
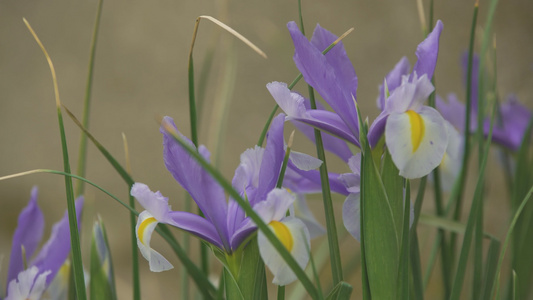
x=416, y=141
x=294, y=235
x=205, y=191
x=427, y=53
x=509, y=131
x=393, y=80
x=28, y=233
x=146, y=224
x=57, y=249
x=272, y=160
x=337, y=58
x=324, y=77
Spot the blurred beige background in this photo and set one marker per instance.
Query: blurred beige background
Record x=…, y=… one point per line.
x=140, y=73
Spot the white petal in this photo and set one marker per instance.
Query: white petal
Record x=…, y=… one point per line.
x=304, y=162
x=452, y=160
x=146, y=224
x=416, y=150
x=26, y=286
x=351, y=215
x=291, y=103
x=275, y=207
x=301, y=246
x=301, y=211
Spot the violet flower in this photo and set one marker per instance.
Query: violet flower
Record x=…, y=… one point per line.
x=225, y=225
x=43, y=268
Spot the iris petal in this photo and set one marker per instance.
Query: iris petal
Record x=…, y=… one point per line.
x=146, y=224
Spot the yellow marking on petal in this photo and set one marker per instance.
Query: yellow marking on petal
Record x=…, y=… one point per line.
x=283, y=233
x=417, y=129
x=142, y=227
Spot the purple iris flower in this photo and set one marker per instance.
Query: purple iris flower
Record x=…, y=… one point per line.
x=333, y=77
x=224, y=224
x=49, y=259
x=510, y=124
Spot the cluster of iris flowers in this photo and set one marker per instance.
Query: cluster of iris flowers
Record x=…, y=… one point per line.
x=275, y=179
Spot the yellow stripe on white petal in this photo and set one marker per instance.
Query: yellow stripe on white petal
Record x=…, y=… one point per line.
x=416, y=141
x=294, y=235
x=146, y=224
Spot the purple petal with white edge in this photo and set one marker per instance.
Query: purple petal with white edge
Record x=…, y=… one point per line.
x=205, y=191
x=515, y=118
x=393, y=80
x=321, y=75
x=432, y=142
x=29, y=284
x=301, y=246
x=302, y=212
x=377, y=129
x=427, y=53
x=337, y=58
x=351, y=215
x=57, y=249
x=28, y=233
x=313, y=176
x=296, y=108
x=246, y=176
x=272, y=160
x=304, y=162
x=475, y=77
x=410, y=95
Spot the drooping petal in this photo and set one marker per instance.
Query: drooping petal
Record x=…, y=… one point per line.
x=294, y=235
x=393, y=80
x=293, y=104
x=157, y=205
x=303, y=161
x=205, y=191
x=322, y=75
x=146, y=224
x=28, y=233
x=352, y=181
x=427, y=53
x=351, y=215
x=302, y=212
x=272, y=160
x=275, y=206
x=57, y=249
x=416, y=141
x=29, y=285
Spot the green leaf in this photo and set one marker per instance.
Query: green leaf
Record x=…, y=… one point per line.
x=378, y=233
x=102, y=285
x=403, y=267
x=252, y=277
x=490, y=268
x=342, y=291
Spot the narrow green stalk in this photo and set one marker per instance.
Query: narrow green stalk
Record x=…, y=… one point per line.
x=134, y=252
x=335, y=255
x=77, y=265
x=291, y=262
x=457, y=195
x=472, y=219
x=82, y=155
x=281, y=292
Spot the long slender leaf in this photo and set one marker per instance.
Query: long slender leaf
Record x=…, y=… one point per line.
x=342, y=291
x=490, y=268
x=403, y=267
x=73, y=223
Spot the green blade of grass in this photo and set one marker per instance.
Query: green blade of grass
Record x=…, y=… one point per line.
x=403, y=266
x=490, y=268
x=342, y=291
x=472, y=218
x=82, y=154
x=77, y=265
